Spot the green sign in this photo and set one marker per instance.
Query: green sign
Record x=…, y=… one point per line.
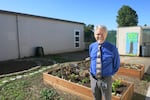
x=132, y=37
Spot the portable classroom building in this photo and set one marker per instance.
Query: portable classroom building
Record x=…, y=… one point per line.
x=21, y=33
x=133, y=40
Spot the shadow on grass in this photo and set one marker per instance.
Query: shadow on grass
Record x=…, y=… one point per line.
x=137, y=96
x=146, y=77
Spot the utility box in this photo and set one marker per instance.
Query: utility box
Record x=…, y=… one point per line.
x=146, y=51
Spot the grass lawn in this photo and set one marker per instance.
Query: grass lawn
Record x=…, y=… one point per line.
x=30, y=86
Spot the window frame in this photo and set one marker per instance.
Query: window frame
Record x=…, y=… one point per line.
x=77, y=41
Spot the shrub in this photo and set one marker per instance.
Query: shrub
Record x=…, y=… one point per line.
x=48, y=94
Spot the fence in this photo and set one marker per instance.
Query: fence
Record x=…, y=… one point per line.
x=111, y=37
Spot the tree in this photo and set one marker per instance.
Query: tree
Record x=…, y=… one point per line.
x=127, y=16
x=88, y=33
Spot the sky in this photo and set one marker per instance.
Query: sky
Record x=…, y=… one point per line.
x=94, y=12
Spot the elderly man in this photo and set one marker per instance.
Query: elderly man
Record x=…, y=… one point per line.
x=104, y=62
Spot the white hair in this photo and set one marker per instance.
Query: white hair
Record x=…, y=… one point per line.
x=101, y=27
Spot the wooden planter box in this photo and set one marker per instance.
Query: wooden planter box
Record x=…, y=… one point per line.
x=82, y=91
x=131, y=72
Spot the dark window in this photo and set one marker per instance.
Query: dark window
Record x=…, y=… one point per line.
x=77, y=33
x=77, y=38
x=76, y=44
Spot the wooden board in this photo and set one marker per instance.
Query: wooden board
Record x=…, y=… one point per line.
x=131, y=72
x=82, y=91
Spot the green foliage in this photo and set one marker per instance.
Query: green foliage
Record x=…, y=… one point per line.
x=28, y=88
x=115, y=85
x=14, y=91
x=59, y=59
x=73, y=76
x=146, y=77
x=88, y=33
x=127, y=17
x=48, y=94
x=85, y=80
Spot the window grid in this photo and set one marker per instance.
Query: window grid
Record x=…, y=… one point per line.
x=76, y=38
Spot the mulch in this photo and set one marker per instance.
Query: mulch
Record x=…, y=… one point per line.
x=17, y=65
x=12, y=66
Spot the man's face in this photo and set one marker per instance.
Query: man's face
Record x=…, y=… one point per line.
x=100, y=35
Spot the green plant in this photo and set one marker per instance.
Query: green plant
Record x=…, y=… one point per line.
x=14, y=90
x=85, y=80
x=73, y=77
x=115, y=85
x=59, y=59
x=131, y=66
x=48, y=94
x=146, y=77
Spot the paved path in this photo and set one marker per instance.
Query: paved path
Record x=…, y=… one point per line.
x=148, y=94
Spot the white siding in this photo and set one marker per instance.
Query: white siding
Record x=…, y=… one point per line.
x=121, y=38
x=53, y=35
x=8, y=37
x=20, y=34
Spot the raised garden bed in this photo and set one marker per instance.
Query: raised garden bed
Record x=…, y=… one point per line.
x=131, y=70
x=74, y=78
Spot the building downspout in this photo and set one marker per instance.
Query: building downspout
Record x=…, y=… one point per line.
x=18, y=38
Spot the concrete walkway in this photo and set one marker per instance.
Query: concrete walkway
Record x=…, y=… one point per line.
x=148, y=94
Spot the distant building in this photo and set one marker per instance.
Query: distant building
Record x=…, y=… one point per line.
x=21, y=33
x=134, y=40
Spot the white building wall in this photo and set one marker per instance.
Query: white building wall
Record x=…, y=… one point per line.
x=8, y=37
x=121, y=38
x=53, y=35
x=20, y=34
